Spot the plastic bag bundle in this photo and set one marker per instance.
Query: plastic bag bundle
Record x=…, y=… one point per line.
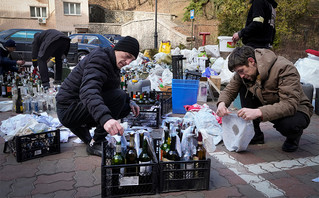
x=237, y=132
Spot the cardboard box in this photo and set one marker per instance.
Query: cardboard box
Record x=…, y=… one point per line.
x=216, y=80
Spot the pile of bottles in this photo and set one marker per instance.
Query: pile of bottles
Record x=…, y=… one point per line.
x=27, y=93
x=132, y=160
x=182, y=142
x=146, y=98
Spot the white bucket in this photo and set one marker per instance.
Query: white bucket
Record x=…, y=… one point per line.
x=226, y=44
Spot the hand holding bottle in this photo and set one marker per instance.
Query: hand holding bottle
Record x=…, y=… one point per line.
x=113, y=127
x=20, y=62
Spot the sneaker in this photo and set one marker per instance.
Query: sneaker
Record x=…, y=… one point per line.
x=94, y=148
x=258, y=138
x=291, y=144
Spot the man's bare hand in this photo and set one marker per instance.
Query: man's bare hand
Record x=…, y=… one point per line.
x=135, y=108
x=113, y=127
x=249, y=114
x=20, y=62
x=222, y=110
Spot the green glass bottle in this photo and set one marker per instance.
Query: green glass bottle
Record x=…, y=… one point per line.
x=19, y=102
x=117, y=159
x=166, y=145
x=144, y=158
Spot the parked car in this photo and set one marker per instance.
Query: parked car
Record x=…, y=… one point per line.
x=115, y=38
x=24, y=39
x=92, y=39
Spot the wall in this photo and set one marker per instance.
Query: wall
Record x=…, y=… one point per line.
x=143, y=31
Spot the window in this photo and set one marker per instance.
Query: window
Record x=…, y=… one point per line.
x=38, y=11
x=71, y=8
x=24, y=36
x=76, y=38
x=94, y=40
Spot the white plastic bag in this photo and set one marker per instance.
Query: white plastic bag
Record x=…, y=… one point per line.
x=237, y=132
x=225, y=74
x=308, y=69
x=167, y=77
x=212, y=50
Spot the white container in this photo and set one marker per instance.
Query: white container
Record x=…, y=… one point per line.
x=138, y=86
x=226, y=44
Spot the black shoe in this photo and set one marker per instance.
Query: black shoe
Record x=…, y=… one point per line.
x=258, y=138
x=46, y=86
x=291, y=144
x=57, y=82
x=94, y=148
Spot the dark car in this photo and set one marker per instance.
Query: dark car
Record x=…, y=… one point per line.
x=92, y=39
x=115, y=38
x=24, y=39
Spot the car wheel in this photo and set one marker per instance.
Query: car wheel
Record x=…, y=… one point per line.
x=81, y=55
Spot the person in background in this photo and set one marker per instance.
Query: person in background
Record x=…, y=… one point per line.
x=91, y=96
x=259, y=31
x=272, y=92
x=6, y=62
x=47, y=44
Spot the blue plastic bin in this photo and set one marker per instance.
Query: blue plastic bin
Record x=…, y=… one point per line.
x=184, y=92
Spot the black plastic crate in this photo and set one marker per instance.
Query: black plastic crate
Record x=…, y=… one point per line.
x=118, y=183
x=166, y=102
x=147, y=117
x=193, y=75
x=36, y=145
x=184, y=175
x=177, y=66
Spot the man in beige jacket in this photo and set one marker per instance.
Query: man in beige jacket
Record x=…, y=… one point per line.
x=270, y=90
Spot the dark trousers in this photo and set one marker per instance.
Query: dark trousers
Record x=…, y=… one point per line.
x=290, y=126
x=56, y=49
x=78, y=119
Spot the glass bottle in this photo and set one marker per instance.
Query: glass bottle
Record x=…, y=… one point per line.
x=117, y=159
x=200, y=155
x=131, y=157
x=172, y=156
x=200, y=150
x=19, y=102
x=166, y=144
x=144, y=158
x=4, y=87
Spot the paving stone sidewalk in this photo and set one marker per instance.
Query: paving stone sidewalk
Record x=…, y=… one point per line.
x=261, y=171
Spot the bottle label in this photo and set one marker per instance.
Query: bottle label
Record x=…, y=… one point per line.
x=145, y=170
x=9, y=89
x=129, y=181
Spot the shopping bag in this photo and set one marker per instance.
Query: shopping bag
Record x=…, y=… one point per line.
x=236, y=132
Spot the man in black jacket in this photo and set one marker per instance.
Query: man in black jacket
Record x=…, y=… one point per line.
x=259, y=31
x=6, y=62
x=90, y=96
x=49, y=43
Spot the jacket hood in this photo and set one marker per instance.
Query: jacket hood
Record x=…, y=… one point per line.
x=265, y=59
x=273, y=3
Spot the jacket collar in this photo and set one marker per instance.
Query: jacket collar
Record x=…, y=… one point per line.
x=265, y=59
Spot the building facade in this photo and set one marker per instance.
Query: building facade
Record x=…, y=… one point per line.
x=63, y=15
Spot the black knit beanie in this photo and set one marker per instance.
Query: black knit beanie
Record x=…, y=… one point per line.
x=10, y=43
x=128, y=44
